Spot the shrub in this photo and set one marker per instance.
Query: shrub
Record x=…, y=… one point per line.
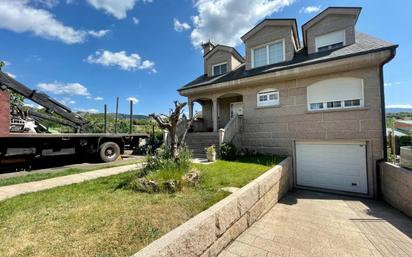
x=162, y=173
x=228, y=151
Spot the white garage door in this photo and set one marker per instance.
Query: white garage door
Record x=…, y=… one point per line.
x=334, y=166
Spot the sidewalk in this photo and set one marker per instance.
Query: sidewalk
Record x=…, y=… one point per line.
x=15, y=190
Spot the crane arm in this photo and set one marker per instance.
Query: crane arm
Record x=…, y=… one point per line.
x=51, y=105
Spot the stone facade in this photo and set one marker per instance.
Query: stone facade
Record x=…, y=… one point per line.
x=331, y=23
x=209, y=232
x=274, y=130
x=267, y=35
x=396, y=187
x=4, y=113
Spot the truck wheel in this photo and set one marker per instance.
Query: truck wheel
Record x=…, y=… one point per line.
x=109, y=151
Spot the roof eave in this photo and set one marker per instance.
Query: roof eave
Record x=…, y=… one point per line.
x=392, y=48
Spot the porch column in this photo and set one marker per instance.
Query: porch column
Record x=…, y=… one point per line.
x=214, y=114
x=190, y=104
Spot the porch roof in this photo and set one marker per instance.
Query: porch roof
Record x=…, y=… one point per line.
x=364, y=44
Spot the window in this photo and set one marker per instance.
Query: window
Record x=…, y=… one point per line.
x=219, y=69
x=334, y=104
x=338, y=93
x=352, y=103
x=268, y=97
x=268, y=54
x=316, y=106
x=330, y=41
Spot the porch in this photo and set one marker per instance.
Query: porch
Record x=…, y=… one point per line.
x=214, y=113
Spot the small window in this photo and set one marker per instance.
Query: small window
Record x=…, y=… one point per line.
x=352, y=103
x=330, y=41
x=268, y=97
x=334, y=104
x=219, y=69
x=268, y=54
x=316, y=106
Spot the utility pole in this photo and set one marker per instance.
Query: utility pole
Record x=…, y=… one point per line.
x=117, y=112
x=105, y=118
x=131, y=117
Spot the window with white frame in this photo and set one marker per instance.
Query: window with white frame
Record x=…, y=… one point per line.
x=330, y=41
x=338, y=93
x=219, y=69
x=268, y=54
x=268, y=97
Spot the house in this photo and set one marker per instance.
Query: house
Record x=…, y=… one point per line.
x=403, y=125
x=320, y=100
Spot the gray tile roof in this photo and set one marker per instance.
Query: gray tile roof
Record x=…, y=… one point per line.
x=364, y=44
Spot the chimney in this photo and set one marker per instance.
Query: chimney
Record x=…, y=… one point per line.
x=207, y=47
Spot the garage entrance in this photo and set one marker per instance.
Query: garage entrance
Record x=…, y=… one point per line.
x=336, y=166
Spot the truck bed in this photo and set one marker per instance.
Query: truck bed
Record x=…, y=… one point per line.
x=73, y=135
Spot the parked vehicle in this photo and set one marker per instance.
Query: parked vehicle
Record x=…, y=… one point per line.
x=23, y=137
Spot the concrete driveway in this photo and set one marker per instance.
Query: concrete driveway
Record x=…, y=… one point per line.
x=310, y=224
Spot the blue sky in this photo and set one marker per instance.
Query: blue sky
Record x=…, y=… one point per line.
x=86, y=52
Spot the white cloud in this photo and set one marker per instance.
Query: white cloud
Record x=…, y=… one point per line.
x=133, y=99
x=180, y=26
x=397, y=83
x=117, y=8
x=99, y=33
x=135, y=20
x=11, y=75
x=92, y=110
x=402, y=106
x=64, y=88
x=225, y=21
x=46, y=3
x=310, y=9
x=66, y=101
x=20, y=17
x=122, y=60
x=98, y=98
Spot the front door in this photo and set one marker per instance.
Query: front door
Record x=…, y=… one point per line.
x=236, y=108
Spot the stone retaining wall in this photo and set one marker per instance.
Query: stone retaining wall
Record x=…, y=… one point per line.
x=210, y=231
x=396, y=187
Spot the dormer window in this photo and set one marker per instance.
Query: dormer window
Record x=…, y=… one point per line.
x=219, y=69
x=330, y=41
x=268, y=54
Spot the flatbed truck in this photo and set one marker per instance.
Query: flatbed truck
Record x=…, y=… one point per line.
x=22, y=137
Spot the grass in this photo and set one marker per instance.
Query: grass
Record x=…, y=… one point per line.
x=64, y=172
x=94, y=219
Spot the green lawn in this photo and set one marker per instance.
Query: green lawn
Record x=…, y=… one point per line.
x=95, y=219
x=63, y=172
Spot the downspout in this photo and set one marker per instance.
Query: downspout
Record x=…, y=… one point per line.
x=383, y=117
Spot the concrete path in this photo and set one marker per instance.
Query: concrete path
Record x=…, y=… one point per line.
x=15, y=190
x=308, y=224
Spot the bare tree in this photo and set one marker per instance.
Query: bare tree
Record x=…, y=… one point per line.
x=170, y=124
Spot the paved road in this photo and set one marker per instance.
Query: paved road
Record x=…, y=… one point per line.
x=129, y=159
x=308, y=224
x=30, y=187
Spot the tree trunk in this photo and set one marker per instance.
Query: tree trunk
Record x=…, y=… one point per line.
x=170, y=124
